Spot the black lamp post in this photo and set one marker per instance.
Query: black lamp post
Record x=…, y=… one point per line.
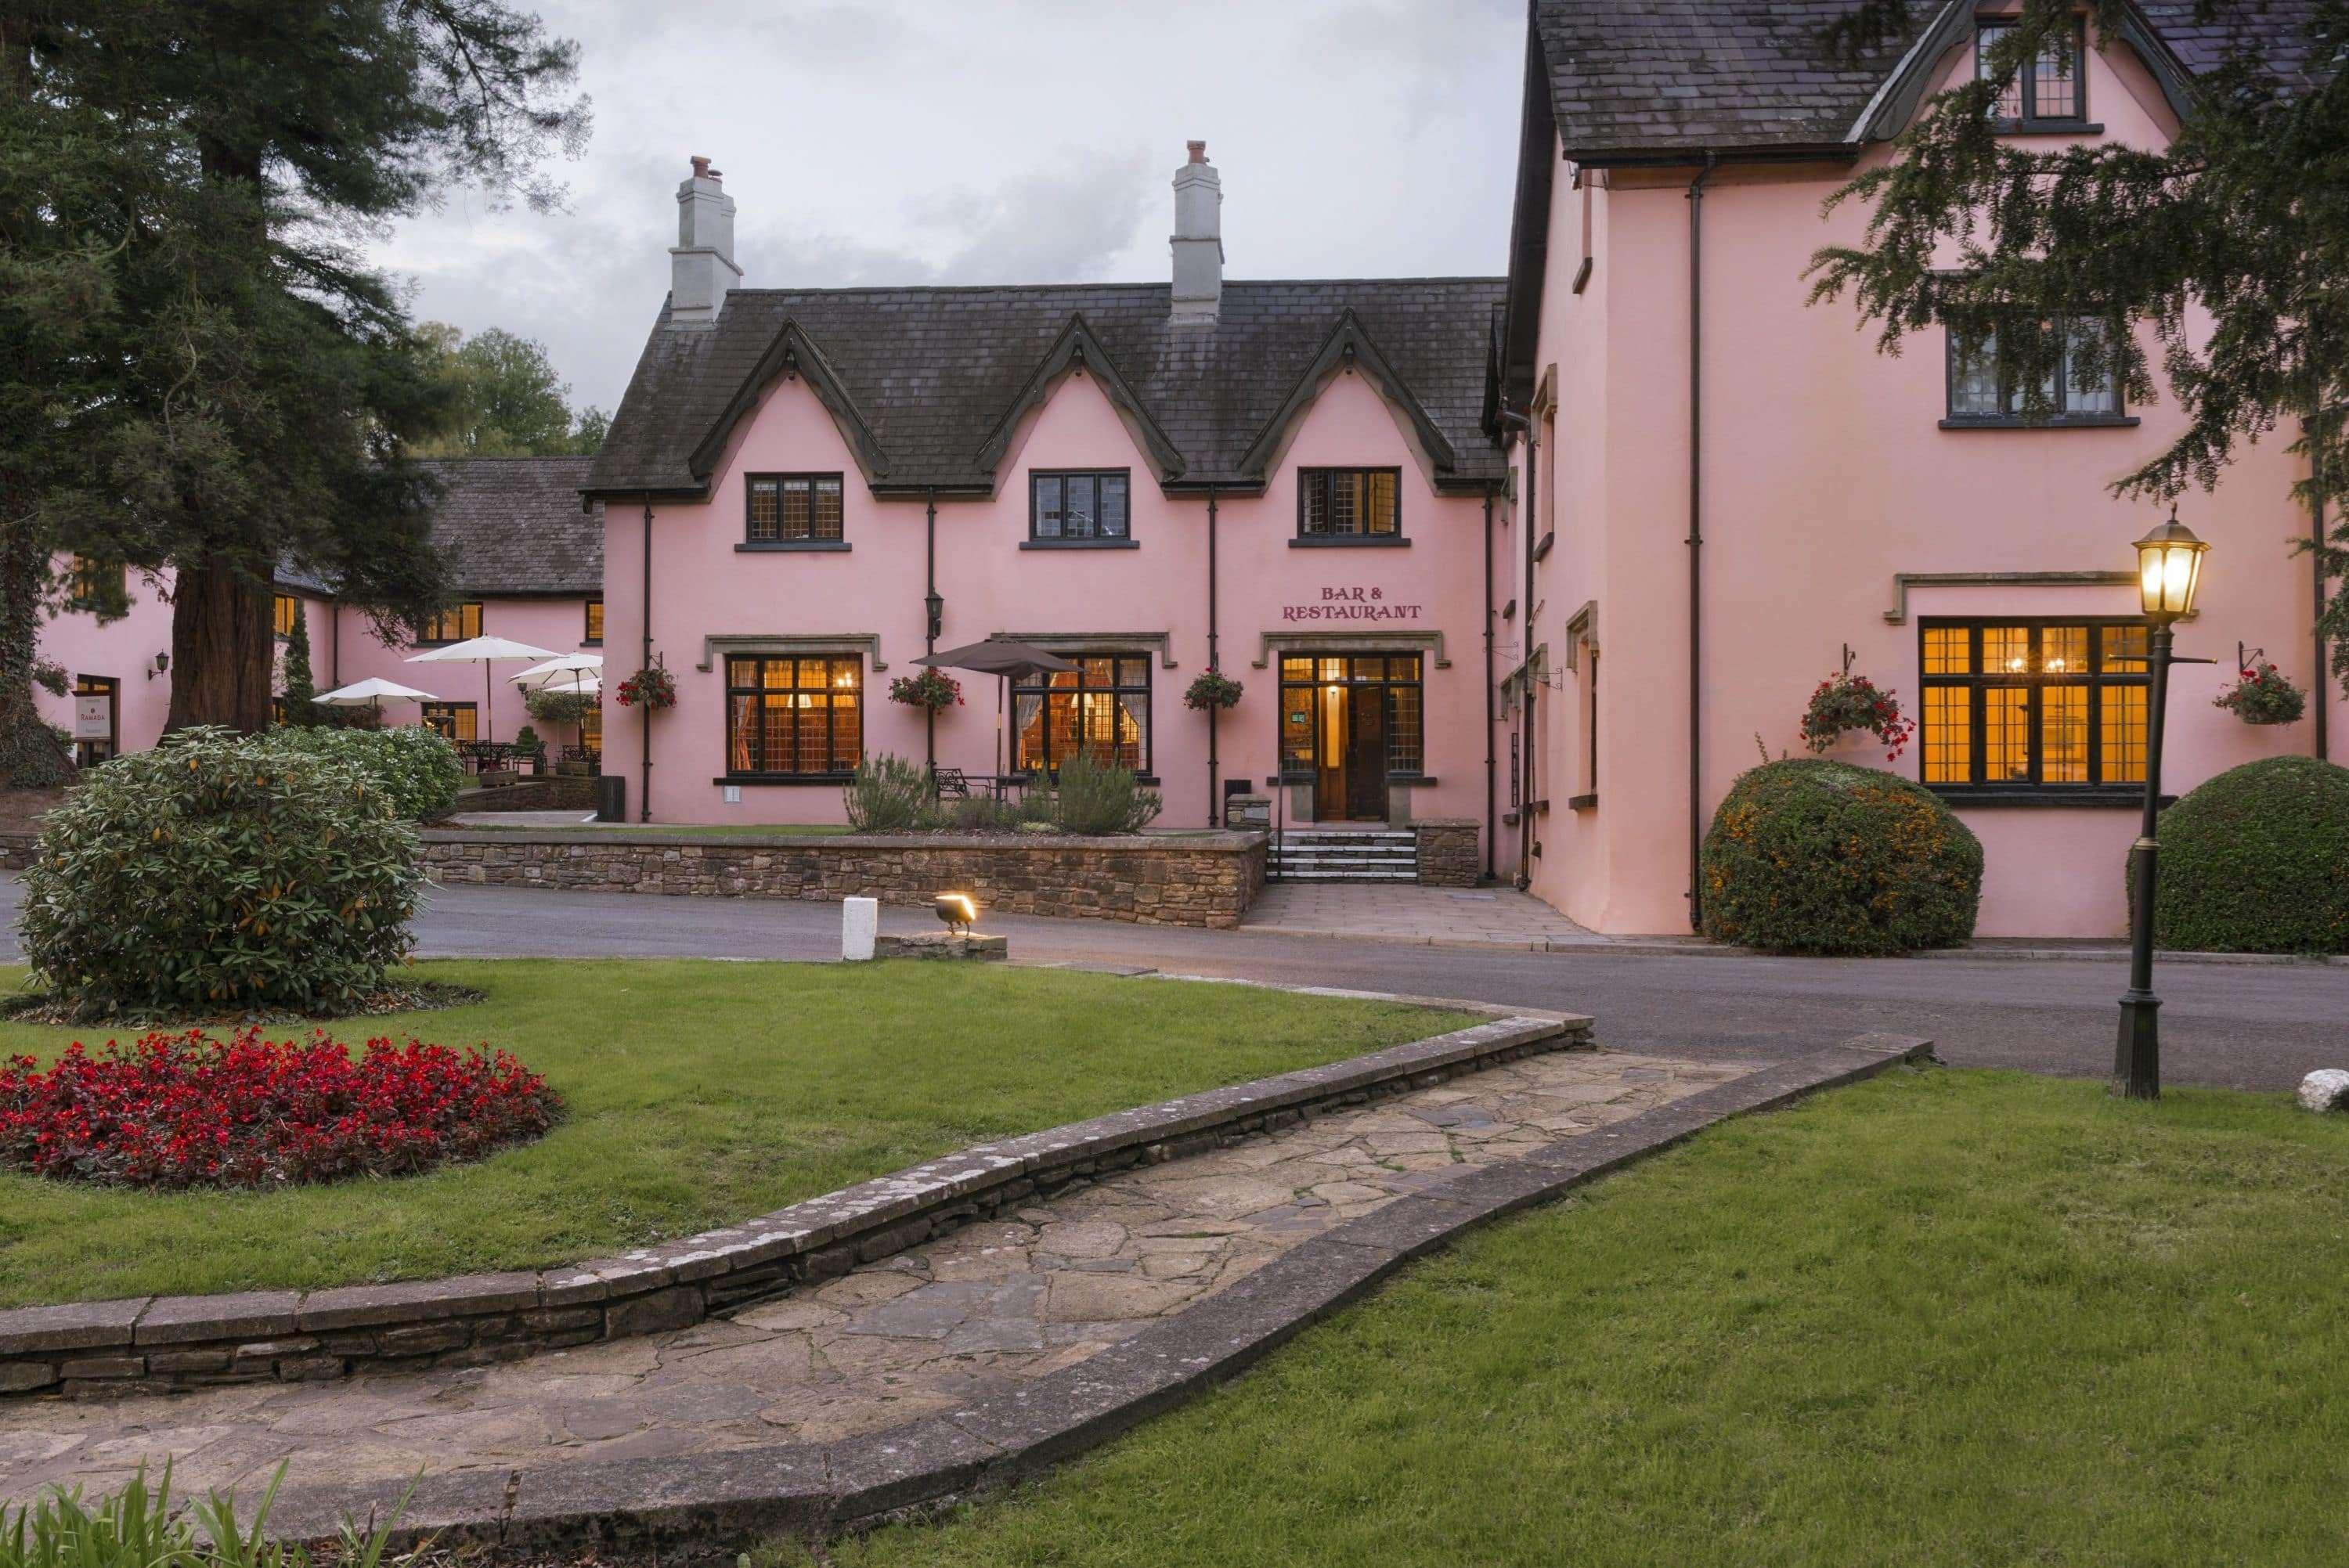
x=2170, y=569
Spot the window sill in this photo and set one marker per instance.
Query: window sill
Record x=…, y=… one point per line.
x=786, y=546
x=1582, y=802
x=1541, y=550
x=2079, y=422
x=1416, y=780
x=1365, y=541
x=2045, y=127
x=591, y=641
x=1078, y=544
x=2130, y=796
x=786, y=780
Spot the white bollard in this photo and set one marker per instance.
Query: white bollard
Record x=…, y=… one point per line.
x=860, y=920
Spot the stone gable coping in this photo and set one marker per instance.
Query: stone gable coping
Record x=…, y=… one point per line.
x=821, y=1490
x=286, y=1333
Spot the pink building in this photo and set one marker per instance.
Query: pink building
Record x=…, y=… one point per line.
x=1667, y=384
x=808, y=489
x=527, y=561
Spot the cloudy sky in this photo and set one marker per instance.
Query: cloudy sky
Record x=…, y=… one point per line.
x=908, y=141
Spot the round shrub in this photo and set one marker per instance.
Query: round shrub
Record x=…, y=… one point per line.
x=176, y=1111
x=2257, y=861
x=412, y=766
x=1811, y=856
x=220, y=872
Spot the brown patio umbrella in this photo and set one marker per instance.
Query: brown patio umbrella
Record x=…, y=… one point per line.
x=1006, y=661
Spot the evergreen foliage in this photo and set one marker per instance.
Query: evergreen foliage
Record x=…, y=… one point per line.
x=218, y=873
x=413, y=767
x=300, y=695
x=2221, y=255
x=2257, y=861
x=1810, y=856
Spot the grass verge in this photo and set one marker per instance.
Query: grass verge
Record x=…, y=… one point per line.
x=1944, y=1317
x=697, y=1093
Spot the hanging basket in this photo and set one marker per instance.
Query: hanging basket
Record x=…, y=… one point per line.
x=2262, y=695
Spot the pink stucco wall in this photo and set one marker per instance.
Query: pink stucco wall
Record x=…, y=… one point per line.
x=1150, y=598
x=1825, y=474
x=344, y=648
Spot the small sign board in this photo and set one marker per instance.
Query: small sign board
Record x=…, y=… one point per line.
x=94, y=718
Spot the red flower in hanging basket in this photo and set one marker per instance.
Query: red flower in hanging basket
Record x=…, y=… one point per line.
x=933, y=689
x=2262, y=695
x=1850, y=702
x=651, y=687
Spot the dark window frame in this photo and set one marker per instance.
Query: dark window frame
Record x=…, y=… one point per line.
x=591, y=627
x=2076, y=122
x=1314, y=481
x=110, y=687
x=1097, y=539
x=2096, y=789
x=440, y=717
x=815, y=479
x=1289, y=775
x=757, y=686
x=429, y=635
x=1042, y=687
x=2011, y=416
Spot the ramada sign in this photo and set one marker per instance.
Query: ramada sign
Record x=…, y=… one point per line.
x=1351, y=605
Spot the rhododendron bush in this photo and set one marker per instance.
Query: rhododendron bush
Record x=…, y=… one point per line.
x=186, y=1110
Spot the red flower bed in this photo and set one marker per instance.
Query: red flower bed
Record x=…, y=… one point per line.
x=176, y=1111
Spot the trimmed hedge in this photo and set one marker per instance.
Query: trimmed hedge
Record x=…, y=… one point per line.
x=2257, y=861
x=219, y=872
x=412, y=766
x=1811, y=856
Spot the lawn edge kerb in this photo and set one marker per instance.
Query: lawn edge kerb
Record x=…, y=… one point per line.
x=162, y=1342
x=820, y=1490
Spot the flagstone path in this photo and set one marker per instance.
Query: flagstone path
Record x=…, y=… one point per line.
x=898, y=1339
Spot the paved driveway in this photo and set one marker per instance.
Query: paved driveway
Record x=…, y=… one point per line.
x=2257, y=1026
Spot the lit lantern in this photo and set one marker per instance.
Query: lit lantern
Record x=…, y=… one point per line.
x=957, y=911
x=2170, y=568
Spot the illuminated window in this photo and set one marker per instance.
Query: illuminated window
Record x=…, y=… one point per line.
x=1349, y=503
x=284, y=611
x=1102, y=706
x=2032, y=705
x=451, y=720
x=802, y=716
x=792, y=509
x=92, y=582
x=457, y=623
x=1313, y=691
x=594, y=633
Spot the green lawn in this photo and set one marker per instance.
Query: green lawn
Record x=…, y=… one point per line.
x=1942, y=1318
x=698, y=1093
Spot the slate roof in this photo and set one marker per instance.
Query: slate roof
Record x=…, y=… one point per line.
x=514, y=525
x=1646, y=77
x=935, y=373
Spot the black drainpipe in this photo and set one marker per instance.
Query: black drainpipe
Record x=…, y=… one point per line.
x=1491, y=714
x=931, y=607
x=645, y=721
x=2322, y=683
x=1215, y=761
x=1525, y=515
x=1696, y=541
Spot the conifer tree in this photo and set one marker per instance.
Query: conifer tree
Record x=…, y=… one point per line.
x=301, y=695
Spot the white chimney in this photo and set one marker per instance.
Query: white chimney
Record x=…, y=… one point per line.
x=701, y=264
x=1198, y=239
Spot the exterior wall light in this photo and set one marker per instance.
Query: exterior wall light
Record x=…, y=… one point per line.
x=2170, y=571
x=957, y=911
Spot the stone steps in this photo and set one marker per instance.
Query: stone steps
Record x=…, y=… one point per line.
x=1385, y=855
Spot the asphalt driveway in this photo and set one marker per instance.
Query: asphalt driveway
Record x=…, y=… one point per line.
x=2247, y=1026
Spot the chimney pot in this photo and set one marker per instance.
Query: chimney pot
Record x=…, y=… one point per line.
x=1198, y=151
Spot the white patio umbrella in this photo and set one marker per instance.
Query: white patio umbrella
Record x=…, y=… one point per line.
x=370, y=693
x=571, y=672
x=484, y=652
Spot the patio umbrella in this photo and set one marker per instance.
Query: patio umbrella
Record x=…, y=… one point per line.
x=571, y=672
x=370, y=693
x=484, y=652
x=1006, y=661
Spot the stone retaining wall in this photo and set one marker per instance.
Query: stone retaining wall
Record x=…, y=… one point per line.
x=551, y=792
x=165, y=1342
x=1189, y=878
x=1448, y=852
x=16, y=851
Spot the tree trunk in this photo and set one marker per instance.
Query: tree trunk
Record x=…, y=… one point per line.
x=220, y=650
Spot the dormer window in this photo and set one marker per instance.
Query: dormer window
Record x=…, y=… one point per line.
x=1985, y=393
x=1081, y=506
x=2050, y=92
x=791, y=511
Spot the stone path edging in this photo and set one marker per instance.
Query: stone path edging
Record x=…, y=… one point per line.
x=822, y=1490
x=164, y=1342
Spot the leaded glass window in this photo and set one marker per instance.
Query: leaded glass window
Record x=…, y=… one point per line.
x=794, y=715
x=2033, y=704
x=1102, y=706
x=1349, y=503
x=2082, y=387
x=2048, y=89
x=1067, y=505
x=792, y=509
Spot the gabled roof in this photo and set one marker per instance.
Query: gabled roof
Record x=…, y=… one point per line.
x=513, y=526
x=940, y=377
x=1632, y=81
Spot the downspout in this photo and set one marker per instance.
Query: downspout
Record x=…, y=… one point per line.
x=1215, y=761
x=1491, y=714
x=645, y=723
x=334, y=637
x=1526, y=515
x=2323, y=679
x=1696, y=541
x=930, y=606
